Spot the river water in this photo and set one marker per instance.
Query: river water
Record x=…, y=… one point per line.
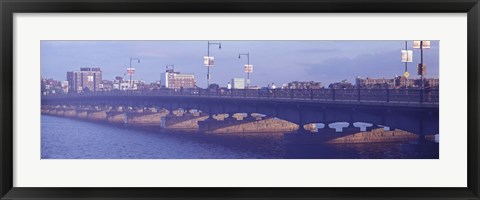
x=65, y=138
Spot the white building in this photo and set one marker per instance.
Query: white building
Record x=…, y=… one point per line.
x=177, y=80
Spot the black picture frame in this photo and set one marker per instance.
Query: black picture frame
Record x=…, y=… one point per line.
x=10, y=7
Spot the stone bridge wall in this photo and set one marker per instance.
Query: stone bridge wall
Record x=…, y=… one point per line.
x=247, y=126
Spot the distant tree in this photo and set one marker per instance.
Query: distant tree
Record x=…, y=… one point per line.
x=213, y=86
x=341, y=85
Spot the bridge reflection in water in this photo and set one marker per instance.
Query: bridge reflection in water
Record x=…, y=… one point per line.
x=302, y=118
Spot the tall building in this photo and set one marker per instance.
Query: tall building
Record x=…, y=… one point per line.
x=177, y=80
x=86, y=80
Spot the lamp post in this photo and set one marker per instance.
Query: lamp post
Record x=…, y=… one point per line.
x=131, y=71
x=248, y=67
x=406, y=65
x=421, y=62
x=208, y=63
x=407, y=56
x=422, y=44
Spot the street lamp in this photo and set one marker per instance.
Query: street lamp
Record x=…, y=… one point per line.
x=407, y=56
x=209, y=60
x=248, y=68
x=421, y=44
x=131, y=70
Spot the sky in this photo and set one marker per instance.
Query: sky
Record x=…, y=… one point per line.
x=277, y=62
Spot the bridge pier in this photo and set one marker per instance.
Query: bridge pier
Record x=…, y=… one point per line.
x=70, y=113
x=59, y=112
x=82, y=114
x=376, y=135
x=186, y=122
x=141, y=118
x=117, y=117
x=97, y=115
x=269, y=125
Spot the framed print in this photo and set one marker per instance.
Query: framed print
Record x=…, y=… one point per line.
x=265, y=99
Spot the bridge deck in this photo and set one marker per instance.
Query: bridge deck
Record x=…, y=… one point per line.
x=361, y=97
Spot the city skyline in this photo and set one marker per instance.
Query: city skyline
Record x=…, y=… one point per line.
x=278, y=62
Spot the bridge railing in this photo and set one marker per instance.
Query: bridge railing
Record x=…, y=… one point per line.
x=426, y=95
x=373, y=95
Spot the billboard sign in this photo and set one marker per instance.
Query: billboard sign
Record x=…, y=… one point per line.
x=208, y=61
x=130, y=71
x=407, y=56
x=248, y=68
x=421, y=69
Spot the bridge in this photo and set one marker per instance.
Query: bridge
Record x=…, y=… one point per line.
x=412, y=110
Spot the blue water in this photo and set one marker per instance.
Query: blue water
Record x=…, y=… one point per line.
x=65, y=138
x=70, y=138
